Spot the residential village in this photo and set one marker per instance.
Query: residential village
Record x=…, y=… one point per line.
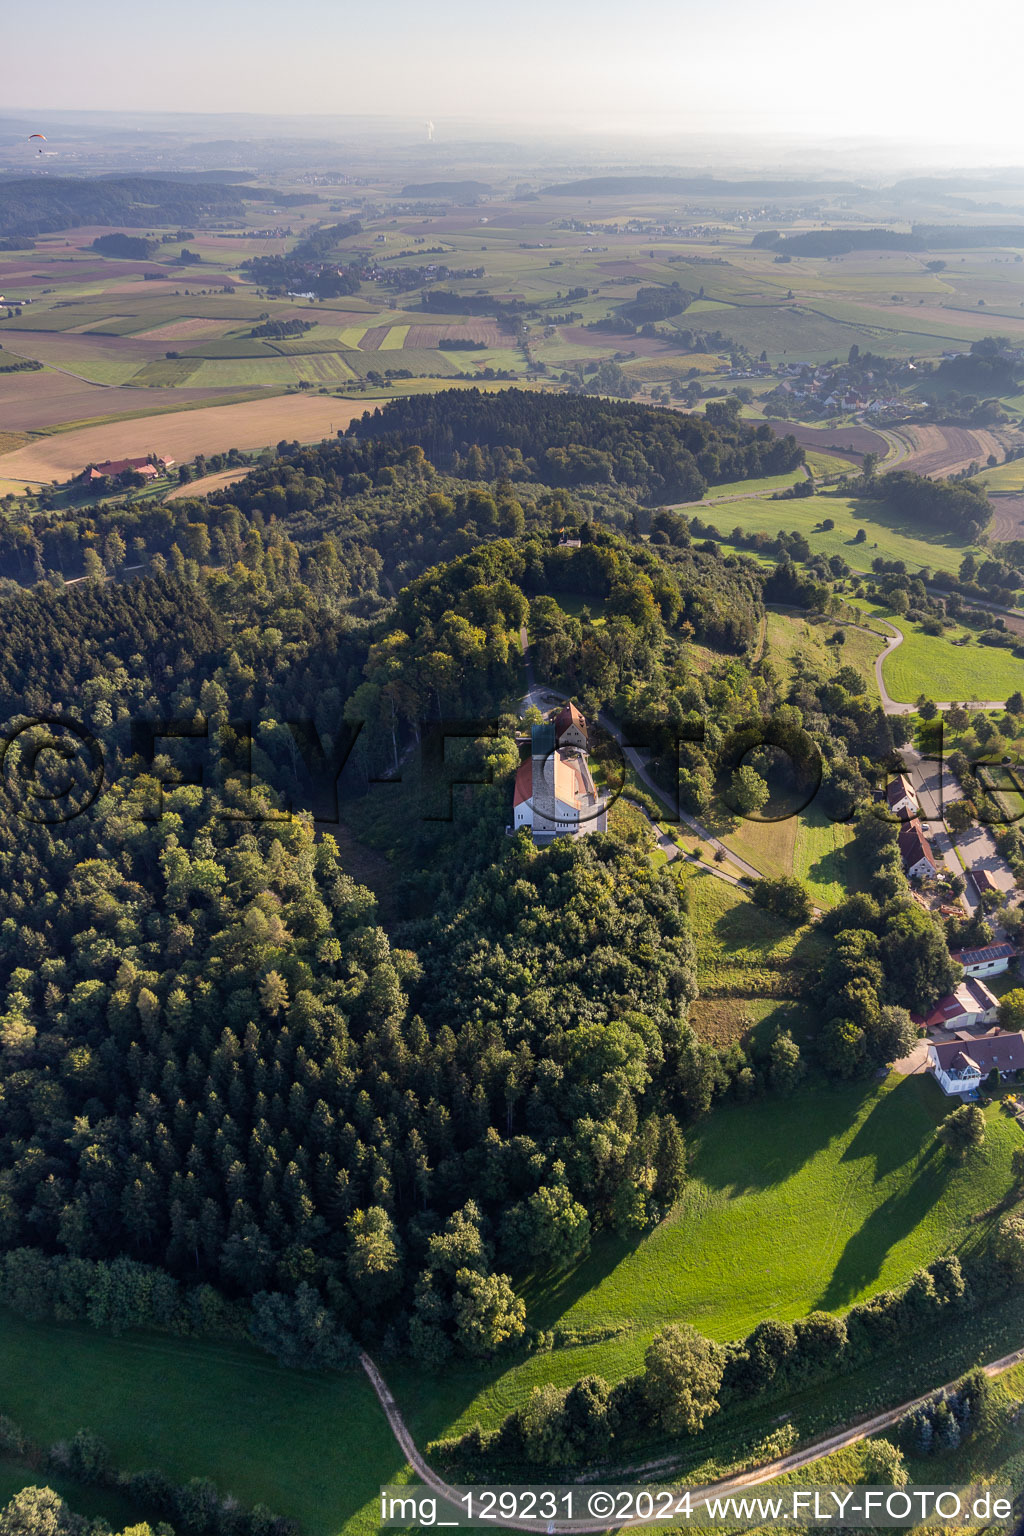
x=961, y=1042
x=964, y=1041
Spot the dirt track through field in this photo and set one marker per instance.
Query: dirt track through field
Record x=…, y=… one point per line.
x=181, y=435
x=699, y=1495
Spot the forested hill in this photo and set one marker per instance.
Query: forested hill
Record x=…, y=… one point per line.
x=30, y=206
x=657, y=455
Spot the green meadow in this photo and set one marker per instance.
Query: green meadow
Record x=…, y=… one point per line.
x=314, y=1447
x=819, y=1200
x=933, y=665
x=888, y=536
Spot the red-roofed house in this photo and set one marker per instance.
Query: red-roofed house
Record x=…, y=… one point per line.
x=571, y=728
x=970, y=1004
x=150, y=469
x=918, y=863
x=901, y=797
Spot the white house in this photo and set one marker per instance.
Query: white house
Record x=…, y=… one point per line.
x=992, y=960
x=901, y=797
x=555, y=795
x=959, y=1066
x=969, y=1005
x=571, y=729
x=918, y=863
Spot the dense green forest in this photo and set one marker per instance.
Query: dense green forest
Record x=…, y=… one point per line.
x=217, y=1061
x=575, y=440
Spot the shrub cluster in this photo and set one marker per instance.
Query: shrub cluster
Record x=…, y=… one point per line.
x=195, y=1508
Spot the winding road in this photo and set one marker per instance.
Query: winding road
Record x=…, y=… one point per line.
x=891, y=705
x=794, y=1462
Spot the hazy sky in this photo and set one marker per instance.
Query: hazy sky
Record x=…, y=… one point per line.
x=920, y=68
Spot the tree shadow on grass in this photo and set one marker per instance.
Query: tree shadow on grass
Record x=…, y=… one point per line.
x=831, y=868
x=860, y=1262
x=550, y=1294
x=751, y=1147
x=892, y=1134
x=746, y=927
x=431, y=1402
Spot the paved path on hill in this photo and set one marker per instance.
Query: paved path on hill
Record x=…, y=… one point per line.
x=671, y=849
x=541, y=696
x=891, y=705
x=699, y=1496
x=538, y=696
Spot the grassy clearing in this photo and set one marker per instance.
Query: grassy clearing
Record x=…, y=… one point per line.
x=743, y=951
x=932, y=665
x=314, y=1447
x=763, y=486
x=1005, y=479
x=822, y=465
x=797, y=638
x=823, y=857
x=768, y=845
x=95, y=1503
x=887, y=536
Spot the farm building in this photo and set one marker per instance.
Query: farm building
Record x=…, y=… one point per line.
x=150, y=468
x=901, y=797
x=554, y=794
x=918, y=863
x=970, y=1004
x=993, y=960
x=959, y=1066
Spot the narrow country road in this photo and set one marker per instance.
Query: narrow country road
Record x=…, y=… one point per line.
x=765, y=1473
x=891, y=705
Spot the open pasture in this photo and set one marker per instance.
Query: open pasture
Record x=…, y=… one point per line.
x=933, y=665
x=1004, y=480
x=310, y=1446
x=887, y=534
x=856, y=1166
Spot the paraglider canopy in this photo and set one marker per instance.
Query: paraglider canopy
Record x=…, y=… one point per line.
x=37, y=136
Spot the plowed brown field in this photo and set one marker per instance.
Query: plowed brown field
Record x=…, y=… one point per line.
x=180, y=434
x=945, y=450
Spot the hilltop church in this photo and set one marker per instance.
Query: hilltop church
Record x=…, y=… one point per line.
x=555, y=795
